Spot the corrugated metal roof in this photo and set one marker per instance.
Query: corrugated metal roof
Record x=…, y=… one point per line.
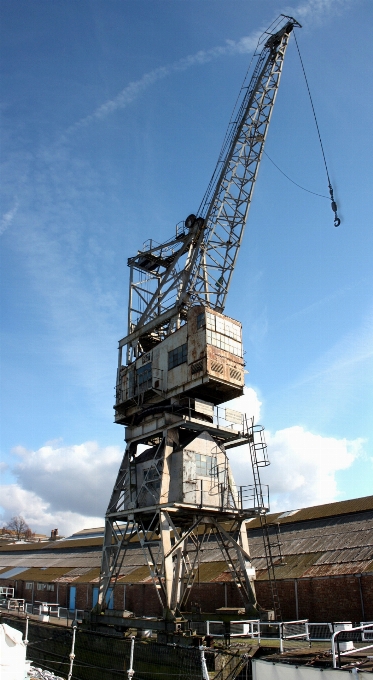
x=15, y=547
x=320, y=546
x=52, y=545
x=294, y=566
x=348, y=555
x=91, y=576
x=336, y=569
x=76, y=543
x=224, y=577
x=73, y=574
x=4, y=569
x=210, y=571
x=319, y=511
x=13, y=572
x=138, y=575
x=41, y=575
x=77, y=560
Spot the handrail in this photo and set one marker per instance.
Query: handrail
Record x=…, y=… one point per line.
x=256, y=629
x=351, y=651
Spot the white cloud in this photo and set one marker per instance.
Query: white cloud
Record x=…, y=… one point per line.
x=354, y=348
x=69, y=486
x=8, y=217
x=38, y=514
x=249, y=404
x=135, y=88
x=303, y=466
x=316, y=10
x=62, y=486
x=67, y=265
x=310, y=10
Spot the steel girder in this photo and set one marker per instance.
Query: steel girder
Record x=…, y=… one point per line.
x=172, y=537
x=229, y=206
x=197, y=265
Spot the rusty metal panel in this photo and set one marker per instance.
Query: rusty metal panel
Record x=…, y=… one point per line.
x=294, y=566
x=346, y=555
x=42, y=575
x=336, y=569
x=210, y=571
x=137, y=575
x=332, y=509
x=80, y=575
x=92, y=576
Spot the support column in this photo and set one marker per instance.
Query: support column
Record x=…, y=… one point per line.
x=168, y=566
x=247, y=566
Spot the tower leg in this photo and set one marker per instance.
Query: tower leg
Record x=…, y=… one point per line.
x=156, y=499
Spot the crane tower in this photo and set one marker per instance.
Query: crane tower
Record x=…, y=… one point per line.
x=181, y=359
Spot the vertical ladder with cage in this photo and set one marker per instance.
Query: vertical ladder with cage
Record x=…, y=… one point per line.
x=272, y=550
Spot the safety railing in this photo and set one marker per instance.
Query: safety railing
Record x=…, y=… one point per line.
x=248, y=498
x=367, y=633
x=256, y=629
x=343, y=637
x=290, y=630
x=229, y=419
x=320, y=631
x=13, y=604
x=55, y=611
x=6, y=591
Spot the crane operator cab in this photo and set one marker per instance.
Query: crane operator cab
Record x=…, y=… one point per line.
x=203, y=359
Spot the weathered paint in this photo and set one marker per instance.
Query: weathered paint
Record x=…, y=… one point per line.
x=186, y=485
x=217, y=373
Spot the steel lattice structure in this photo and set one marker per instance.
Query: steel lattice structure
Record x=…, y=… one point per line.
x=196, y=266
x=184, y=358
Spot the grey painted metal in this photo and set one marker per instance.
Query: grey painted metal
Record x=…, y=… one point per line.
x=227, y=204
x=196, y=265
x=147, y=506
x=165, y=500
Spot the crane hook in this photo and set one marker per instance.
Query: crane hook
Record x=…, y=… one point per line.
x=337, y=221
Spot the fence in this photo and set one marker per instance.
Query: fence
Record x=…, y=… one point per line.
x=55, y=610
x=78, y=654
x=345, y=638
x=256, y=629
x=43, y=609
x=6, y=591
x=98, y=656
x=286, y=630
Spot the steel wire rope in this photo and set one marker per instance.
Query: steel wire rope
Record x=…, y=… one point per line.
x=337, y=221
x=291, y=180
x=228, y=132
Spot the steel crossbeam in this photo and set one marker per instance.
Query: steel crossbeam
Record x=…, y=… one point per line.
x=196, y=266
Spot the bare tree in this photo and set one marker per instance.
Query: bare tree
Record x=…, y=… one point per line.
x=29, y=535
x=19, y=526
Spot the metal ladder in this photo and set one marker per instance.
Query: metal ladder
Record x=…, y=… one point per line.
x=259, y=458
x=270, y=567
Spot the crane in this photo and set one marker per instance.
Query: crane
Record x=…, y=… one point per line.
x=183, y=360
x=196, y=265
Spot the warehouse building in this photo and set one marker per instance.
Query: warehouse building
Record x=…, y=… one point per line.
x=324, y=568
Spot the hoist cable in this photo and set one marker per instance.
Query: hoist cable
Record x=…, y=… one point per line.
x=291, y=180
x=337, y=221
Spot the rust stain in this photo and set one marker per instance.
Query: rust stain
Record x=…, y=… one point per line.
x=336, y=569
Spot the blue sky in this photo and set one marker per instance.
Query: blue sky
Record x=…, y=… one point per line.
x=113, y=114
